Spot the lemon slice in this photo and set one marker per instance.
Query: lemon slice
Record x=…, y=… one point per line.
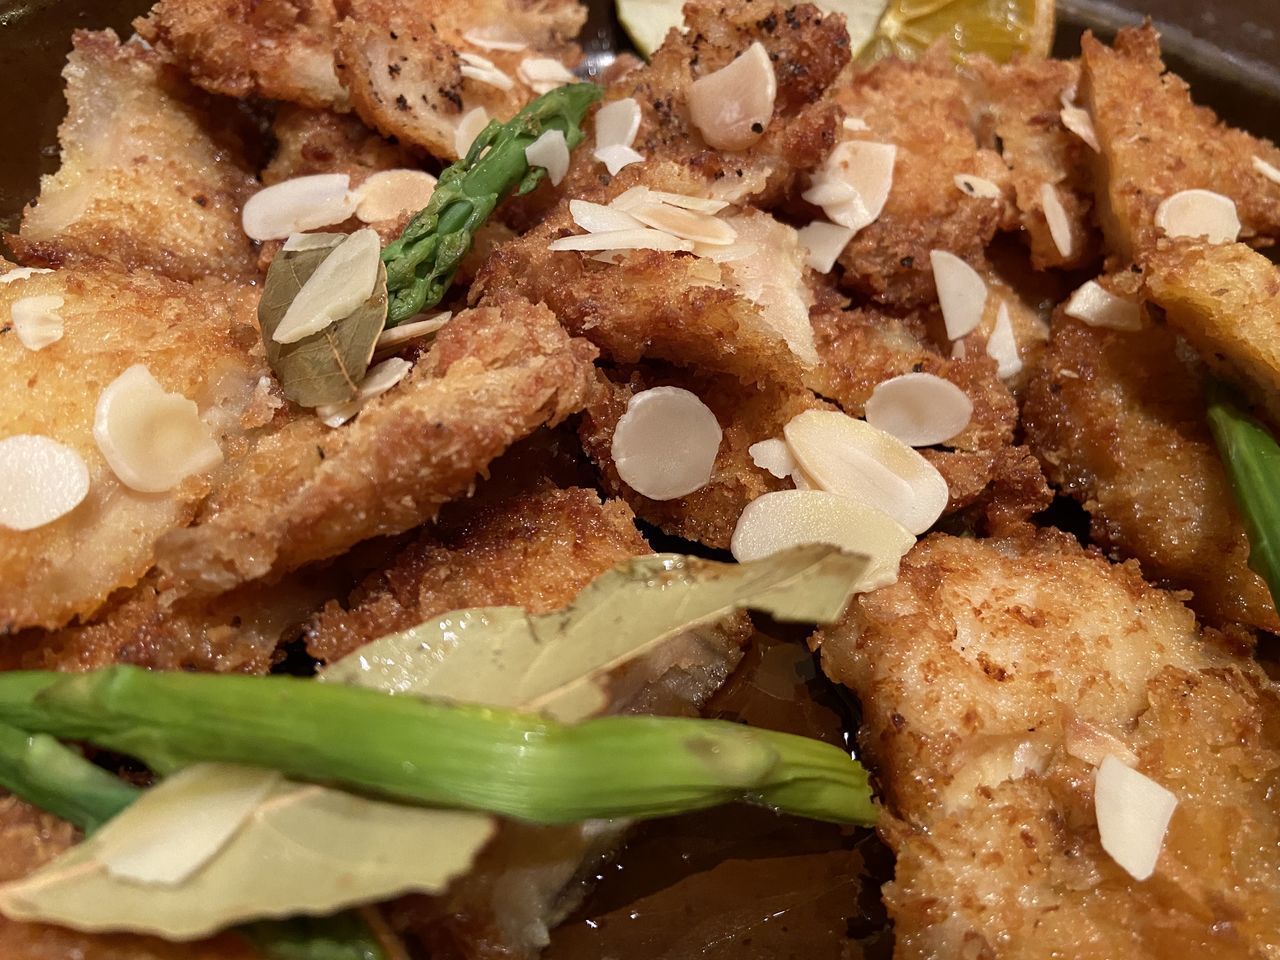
x=647, y=21
x=1001, y=29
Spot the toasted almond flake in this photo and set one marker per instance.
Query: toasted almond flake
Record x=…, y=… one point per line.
x=389, y=194
x=1199, y=213
x=551, y=152
x=20, y=273
x=789, y=518
x=617, y=157
x=958, y=350
x=855, y=125
x=639, y=239
x=1133, y=814
x=1055, y=214
x=854, y=459
x=1097, y=306
x=638, y=195
x=152, y=439
x=597, y=218
x=298, y=205
x=962, y=293
x=977, y=187
x=483, y=70
x=470, y=126
x=1002, y=345
x=665, y=445
x=773, y=456
x=698, y=227
x=36, y=320
x=865, y=167
x=544, y=74
x=1079, y=122
x=380, y=378
x=1090, y=743
x=920, y=409
x=308, y=241
x=391, y=340
x=824, y=243
x=1269, y=171
x=732, y=107
x=342, y=282
x=494, y=38
x=617, y=123
x=734, y=252
x=828, y=192
x=803, y=481
x=43, y=480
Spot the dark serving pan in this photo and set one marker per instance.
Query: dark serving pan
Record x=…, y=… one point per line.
x=735, y=883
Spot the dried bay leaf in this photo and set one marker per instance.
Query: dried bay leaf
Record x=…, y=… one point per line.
x=326, y=367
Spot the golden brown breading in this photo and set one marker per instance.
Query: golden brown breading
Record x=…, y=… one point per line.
x=1225, y=300
x=306, y=492
x=153, y=173
x=532, y=548
x=993, y=676
x=1117, y=420
x=274, y=49
x=1021, y=106
x=747, y=415
x=321, y=141
x=921, y=108
x=195, y=342
x=1156, y=142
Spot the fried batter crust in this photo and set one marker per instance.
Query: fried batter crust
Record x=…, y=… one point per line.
x=305, y=492
x=1117, y=420
x=1156, y=142
x=987, y=675
x=321, y=141
x=153, y=172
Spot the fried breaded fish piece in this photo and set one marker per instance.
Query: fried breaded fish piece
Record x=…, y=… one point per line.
x=194, y=342
x=1156, y=142
x=1117, y=420
x=153, y=172
x=993, y=677
x=1225, y=300
x=305, y=492
x=310, y=141
x=921, y=108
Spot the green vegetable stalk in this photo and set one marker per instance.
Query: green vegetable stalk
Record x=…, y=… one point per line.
x=1252, y=460
x=422, y=261
x=43, y=772
x=518, y=765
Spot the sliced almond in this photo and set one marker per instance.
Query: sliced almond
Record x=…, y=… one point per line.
x=342, y=282
x=665, y=445
x=826, y=192
x=380, y=378
x=865, y=167
x=824, y=242
x=483, y=70
x=20, y=273
x=1268, y=170
x=639, y=239
x=544, y=74
x=920, y=409
x=689, y=224
x=617, y=123
x=1090, y=743
x=298, y=205
x=309, y=241
x=495, y=38
x=152, y=439
x=551, y=152
x=1002, y=345
x=962, y=293
x=1079, y=122
x=617, y=157
x=790, y=518
x=773, y=456
x=1097, y=306
x=734, y=252
x=1199, y=213
x=597, y=218
x=36, y=320
x=1133, y=814
x=43, y=480
x=732, y=107
x=390, y=194
x=855, y=124
x=391, y=340
x=470, y=126
x=977, y=186
x=1055, y=214
x=639, y=195
x=854, y=459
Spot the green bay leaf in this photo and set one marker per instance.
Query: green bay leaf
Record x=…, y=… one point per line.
x=327, y=366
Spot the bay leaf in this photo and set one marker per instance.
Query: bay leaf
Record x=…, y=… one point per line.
x=327, y=366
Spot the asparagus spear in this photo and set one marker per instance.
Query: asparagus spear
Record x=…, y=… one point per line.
x=422, y=261
x=1252, y=459
x=518, y=765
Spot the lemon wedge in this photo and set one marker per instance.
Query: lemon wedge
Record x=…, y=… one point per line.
x=1001, y=29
